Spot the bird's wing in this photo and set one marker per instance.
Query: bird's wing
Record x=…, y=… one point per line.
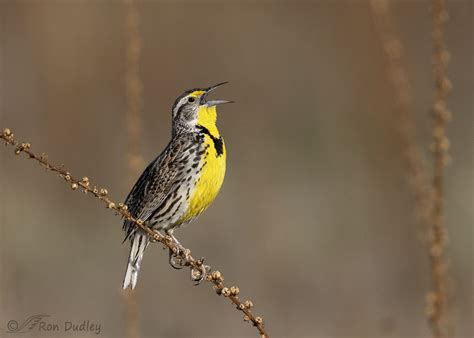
x=155, y=183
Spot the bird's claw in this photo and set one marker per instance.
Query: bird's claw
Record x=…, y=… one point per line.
x=198, y=274
x=178, y=257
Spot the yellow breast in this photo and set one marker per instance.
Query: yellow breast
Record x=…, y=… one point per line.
x=209, y=180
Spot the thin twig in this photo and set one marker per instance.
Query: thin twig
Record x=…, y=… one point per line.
x=197, y=267
x=438, y=298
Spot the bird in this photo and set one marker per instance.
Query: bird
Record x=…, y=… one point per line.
x=181, y=182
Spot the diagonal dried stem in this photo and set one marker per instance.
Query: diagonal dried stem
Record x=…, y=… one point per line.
x=196, y=266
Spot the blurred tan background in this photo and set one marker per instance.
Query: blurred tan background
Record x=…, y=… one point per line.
x=314, y=222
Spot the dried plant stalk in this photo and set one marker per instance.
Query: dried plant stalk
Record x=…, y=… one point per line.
x=418, y=176
x=428, y=197
x=133, y=87
x=196, y=266
x=437, y=299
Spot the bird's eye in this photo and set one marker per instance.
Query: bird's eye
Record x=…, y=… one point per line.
x=191, y=99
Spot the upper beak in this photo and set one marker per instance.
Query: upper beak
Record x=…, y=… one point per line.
x=212, y=103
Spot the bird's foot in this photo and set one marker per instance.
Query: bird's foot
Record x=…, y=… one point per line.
x=176, y=261
x=178, y=256
x=199, y=273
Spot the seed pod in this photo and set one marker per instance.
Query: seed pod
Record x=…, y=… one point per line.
x=215, y=274
x=234, y=290
x=226, y=292
x=7, y=132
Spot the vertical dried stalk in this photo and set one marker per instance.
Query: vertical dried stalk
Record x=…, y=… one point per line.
x=132, y=322
x=428, y=199
x=133, y=88
x=437, y=299
x=133, y=120
x=397, y=75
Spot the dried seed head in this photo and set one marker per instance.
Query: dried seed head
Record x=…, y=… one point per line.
x=7, y=132
x=209, y=277
x=447, y=116
x=103, y=192
x=22, y=147
x=436, y=250
x=217, y=276
x=248, y=304
x=439, y=106
x=74, y=186
x=226, y=292
x=246, y=318
x=85, y=181
x=234, y=290
x=443, y=16
x=259, y=320
x=95, y=190
x=447, y=85
x=139, y=222
x=431, y=297
x=241, y=307
x=111, y=205
x=26, y=145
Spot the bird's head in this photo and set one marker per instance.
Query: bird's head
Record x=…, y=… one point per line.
x=193, y=109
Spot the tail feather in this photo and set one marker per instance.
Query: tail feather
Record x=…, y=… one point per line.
x=139, y=244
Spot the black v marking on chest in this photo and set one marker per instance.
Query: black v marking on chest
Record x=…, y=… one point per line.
x=218, y=143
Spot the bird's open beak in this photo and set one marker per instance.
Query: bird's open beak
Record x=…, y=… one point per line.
x=212, y=103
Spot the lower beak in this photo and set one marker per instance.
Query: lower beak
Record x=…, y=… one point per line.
x=212, y=103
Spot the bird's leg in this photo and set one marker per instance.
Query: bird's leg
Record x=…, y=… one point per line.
x=175, y=258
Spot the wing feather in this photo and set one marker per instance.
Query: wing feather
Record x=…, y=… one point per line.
x=155, y=183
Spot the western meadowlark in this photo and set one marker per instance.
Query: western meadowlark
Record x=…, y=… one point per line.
x=183, y=180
